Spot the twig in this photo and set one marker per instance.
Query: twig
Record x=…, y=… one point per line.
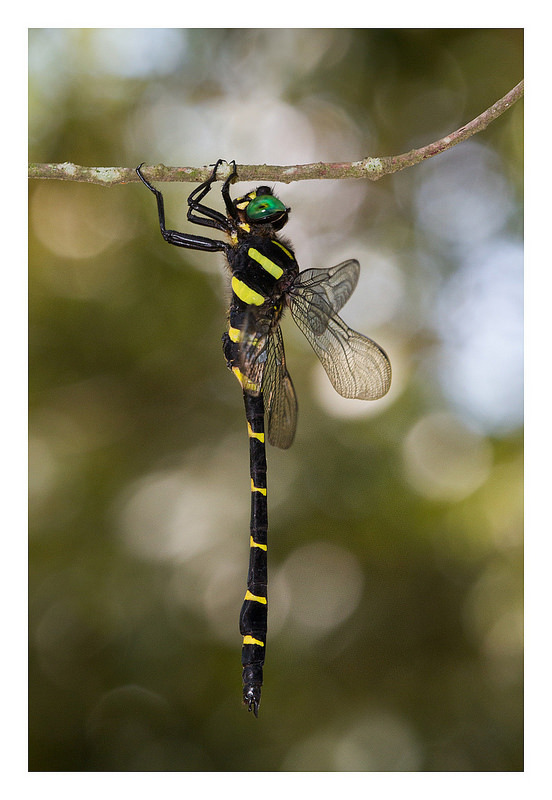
x=372, y=168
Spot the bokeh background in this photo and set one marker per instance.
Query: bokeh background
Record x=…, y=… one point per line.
x=395, y=625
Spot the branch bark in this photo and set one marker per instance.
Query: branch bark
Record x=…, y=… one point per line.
x=372, y=168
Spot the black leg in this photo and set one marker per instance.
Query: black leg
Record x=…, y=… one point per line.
x=214, y=219
x=230, y=207
x=190, y=241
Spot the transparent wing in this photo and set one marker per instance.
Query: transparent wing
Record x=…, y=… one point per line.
x=254, y=337
x=263, y=363
x=335, y=285
x=278, y=393
x=357, y=366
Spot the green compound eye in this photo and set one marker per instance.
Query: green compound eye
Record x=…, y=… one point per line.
x=263, y=206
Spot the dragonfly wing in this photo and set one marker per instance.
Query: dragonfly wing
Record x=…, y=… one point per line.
x=357, y=367
x=334, y=285
x=263, y=366
x=253, y=353
x=278, y=393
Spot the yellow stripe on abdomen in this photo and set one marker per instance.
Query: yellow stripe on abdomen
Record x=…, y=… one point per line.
x=246, y=384
x=251, y=640
x=254, y=597
x=257, y=489
x=253, y=435
x=253, y=543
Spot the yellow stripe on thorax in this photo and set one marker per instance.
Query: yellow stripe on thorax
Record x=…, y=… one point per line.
x=253, y=543
x=256, y=598
x=246, y=294
x=265, y=263
x=253, y=435
x=256, y=488
x=286, y=251
x=251, y=640
x=234, y=334
x=243, y=202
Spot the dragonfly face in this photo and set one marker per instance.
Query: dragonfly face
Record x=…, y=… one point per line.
x=262, y=207
x=265, y=279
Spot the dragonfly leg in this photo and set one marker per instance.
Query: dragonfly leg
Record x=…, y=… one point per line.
x=225, y=191
x=187, y=240
x=211, y=218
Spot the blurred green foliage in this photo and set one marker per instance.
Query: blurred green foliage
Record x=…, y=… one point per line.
x=395, y=627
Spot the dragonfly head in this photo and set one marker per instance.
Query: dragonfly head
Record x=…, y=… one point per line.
x=262, y=207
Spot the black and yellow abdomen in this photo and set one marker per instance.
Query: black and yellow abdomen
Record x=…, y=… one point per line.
x=254, y=611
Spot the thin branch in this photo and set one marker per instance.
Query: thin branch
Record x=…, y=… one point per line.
x=372, y=168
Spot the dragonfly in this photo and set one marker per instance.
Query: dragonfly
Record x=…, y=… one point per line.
x=265, y=281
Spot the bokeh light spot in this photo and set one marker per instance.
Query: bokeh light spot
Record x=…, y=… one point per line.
x=445, y=460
